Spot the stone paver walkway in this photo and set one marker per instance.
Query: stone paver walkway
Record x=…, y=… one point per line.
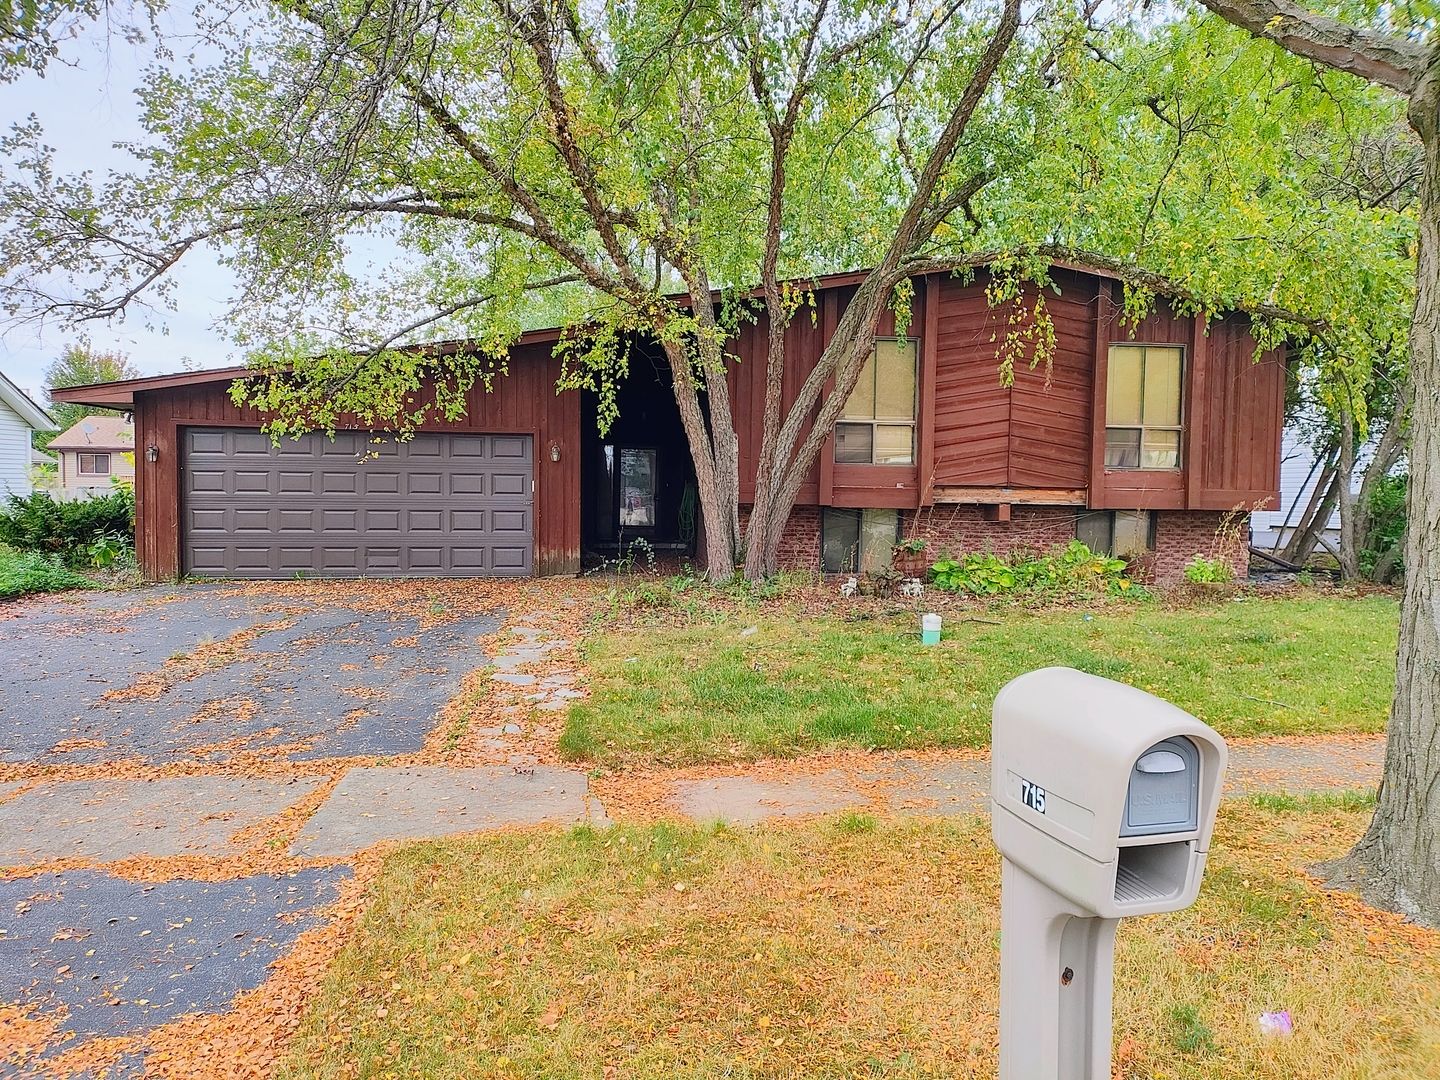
x=374, y=804
x=117, y=819
x=963, y=786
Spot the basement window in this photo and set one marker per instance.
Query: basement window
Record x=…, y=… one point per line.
x=877, y=426
x=1119, y=533
x=1142, y=407
x=94, y=464
x=857, y=541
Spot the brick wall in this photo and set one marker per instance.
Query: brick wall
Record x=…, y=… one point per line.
x=1182, y=534
x=800, y=542
x=957, y=530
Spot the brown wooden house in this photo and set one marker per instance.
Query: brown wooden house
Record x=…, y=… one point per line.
x=1154, y=444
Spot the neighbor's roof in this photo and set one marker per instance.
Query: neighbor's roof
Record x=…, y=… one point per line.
x=97, y=433
x=26, y=409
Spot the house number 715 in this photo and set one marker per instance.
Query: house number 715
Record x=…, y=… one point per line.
x=1032, y=796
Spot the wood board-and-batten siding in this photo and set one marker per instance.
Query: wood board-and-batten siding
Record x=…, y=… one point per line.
x=1040, y=440
x=524, y=403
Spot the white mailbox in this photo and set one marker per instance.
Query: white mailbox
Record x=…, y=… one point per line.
x=1103, y=799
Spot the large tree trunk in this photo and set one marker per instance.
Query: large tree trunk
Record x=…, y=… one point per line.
x=1397, y=862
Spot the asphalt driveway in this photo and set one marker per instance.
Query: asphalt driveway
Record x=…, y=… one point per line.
x=202, y=672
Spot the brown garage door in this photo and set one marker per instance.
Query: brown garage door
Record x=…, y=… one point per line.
x=439, y=504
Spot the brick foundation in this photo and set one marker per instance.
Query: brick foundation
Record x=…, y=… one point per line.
x=1180, y=535
x=957, y=530
x=800, y=542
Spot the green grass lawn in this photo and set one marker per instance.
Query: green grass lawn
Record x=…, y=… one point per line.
x=844, y=948
x=680, y=695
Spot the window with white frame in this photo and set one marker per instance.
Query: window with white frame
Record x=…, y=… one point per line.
x=877, y=426
x=94, y=464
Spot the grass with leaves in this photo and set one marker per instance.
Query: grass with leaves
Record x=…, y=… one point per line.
x=702, y=691
x=845, y=947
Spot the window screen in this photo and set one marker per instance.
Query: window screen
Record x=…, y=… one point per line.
x=1142, y=407
x=877, y=425
x=95, y=464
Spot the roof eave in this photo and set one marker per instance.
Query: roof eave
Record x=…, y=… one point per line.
x=24, y=407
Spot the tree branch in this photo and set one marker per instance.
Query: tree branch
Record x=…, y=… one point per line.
x=1386, y=59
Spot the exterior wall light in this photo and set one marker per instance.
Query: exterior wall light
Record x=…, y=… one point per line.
x=554, y=451
x=152, y=453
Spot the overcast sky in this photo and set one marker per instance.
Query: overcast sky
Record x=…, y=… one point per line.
x=86, y=103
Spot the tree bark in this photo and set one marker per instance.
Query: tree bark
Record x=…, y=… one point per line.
x=1397, y=862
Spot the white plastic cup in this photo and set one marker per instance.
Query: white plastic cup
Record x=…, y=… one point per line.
x=930, y=629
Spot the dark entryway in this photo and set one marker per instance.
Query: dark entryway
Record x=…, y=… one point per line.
x=637, y=481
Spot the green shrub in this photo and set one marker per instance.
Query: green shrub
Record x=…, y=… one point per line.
x=70, y=530
x=1073, y=570
x=1203, y=571
x=1387, y=529
x=33, y=572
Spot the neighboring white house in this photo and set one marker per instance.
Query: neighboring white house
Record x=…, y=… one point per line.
x=1271, y=529
x=19, y=416
x=94, y=453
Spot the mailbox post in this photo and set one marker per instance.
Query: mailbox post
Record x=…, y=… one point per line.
x=1103, y=801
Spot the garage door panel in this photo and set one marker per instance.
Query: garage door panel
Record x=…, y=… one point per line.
x=510, y=522
x=381, y=483
x=296, y=521
x=510, y=483
x=253, y=557
x=208, y=559
x=207, y=480
x=337, y=483
x=440, y=503
x=424, y=483
x=333, y=521
x=208, y=521
x=207, y=442
x=467, y=559
x=428, y=560
x=340, y=558
x=387, y=521
x=297, y=558
x=251, y=519
x=237, y=443
x=382, y=560
x=510, y=558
